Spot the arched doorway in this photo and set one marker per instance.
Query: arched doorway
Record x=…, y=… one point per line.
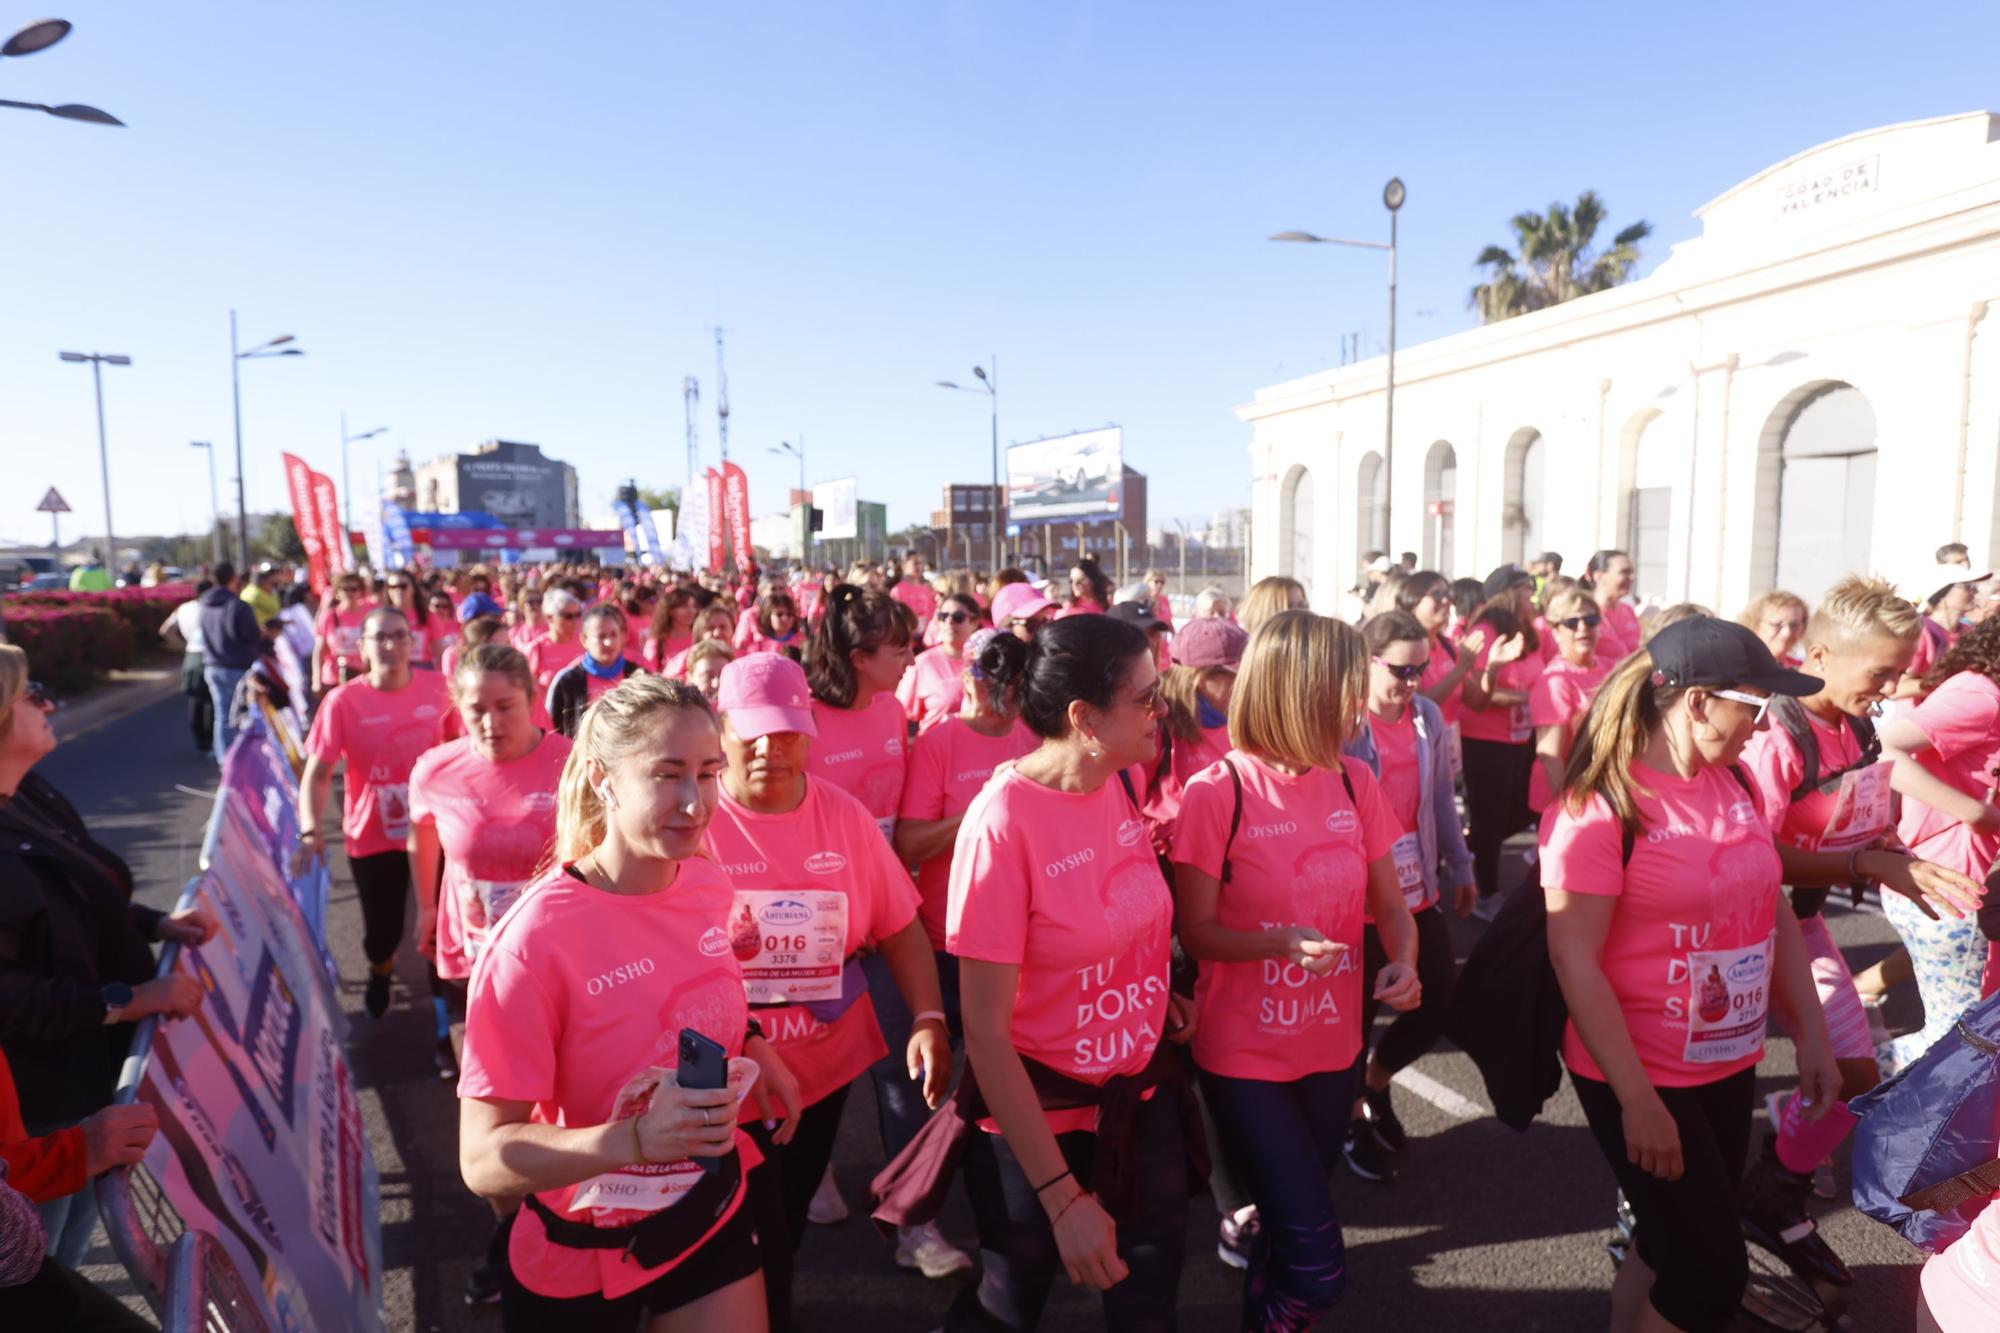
x=1822, y=438
x=1521, y=534
x=1645, y=506
x=1295, y=526
x=1371, y=532
x=1440, y=502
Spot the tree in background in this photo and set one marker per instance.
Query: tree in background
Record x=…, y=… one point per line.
x=668, y=498
x=1552, y=261
x=278, y=539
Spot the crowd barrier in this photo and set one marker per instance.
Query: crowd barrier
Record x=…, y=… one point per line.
x=257, y=1205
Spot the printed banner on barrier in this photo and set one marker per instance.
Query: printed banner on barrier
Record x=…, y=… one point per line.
x=261, y=1142
x=257, y=778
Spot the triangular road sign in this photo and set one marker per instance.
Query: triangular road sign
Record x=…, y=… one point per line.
x=53, y=503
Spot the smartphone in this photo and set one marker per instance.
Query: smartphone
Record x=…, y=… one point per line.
x=703, y=1064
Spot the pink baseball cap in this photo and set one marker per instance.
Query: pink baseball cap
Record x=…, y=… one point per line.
x=1210, y=641
x=765, y=692
x=1017, y=601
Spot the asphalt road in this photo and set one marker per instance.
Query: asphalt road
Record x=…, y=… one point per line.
x=1487, y=1228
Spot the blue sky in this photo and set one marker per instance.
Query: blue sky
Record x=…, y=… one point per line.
x=493, y=218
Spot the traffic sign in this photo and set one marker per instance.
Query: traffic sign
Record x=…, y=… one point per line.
x=53, y=503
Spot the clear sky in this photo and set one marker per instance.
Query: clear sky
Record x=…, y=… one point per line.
x=501, y=219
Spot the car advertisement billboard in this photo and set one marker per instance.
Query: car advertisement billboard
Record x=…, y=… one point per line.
x=837, y=502
x=1068, y=477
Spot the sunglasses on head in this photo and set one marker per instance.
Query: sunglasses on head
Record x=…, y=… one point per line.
x=955, y=617
x=1409, y=673
x=1575, y=623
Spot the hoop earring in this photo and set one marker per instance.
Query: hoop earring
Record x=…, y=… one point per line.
x=1092, y=748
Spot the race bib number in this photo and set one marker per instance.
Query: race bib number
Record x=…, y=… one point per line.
x=1455, y=747
x=1521, y=724
x=1729, y=1002
x=345, y=640
x=392, y=803
x=1860, y=809
x=481, y=904
x=791, y=943
x=647, y=1187
x=1409, y=854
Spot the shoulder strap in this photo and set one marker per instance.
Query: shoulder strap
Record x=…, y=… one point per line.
x=1627, y=841
x=1348, y=783
x=1166, y=761
x=1946, y=1195
x=1790, y=714
x=1235, y=817
x=1131, y=792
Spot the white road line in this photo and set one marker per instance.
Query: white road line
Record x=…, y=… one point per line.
x=1438, y=1095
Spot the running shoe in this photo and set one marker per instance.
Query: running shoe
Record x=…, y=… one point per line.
x=1487, y=908
x=482, y=1287
x=377, y=999
x=1773, y=1205
x=1236, y=1237
x=925, y=1249
x=1364, y=1156
x=827, y=1207
x=1878, y=1026
x=1824, y=1185
x=1380, y=1113
x=445, y=1059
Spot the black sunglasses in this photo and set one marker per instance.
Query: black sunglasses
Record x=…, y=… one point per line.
x=1409, y=673
x=1575, y=623
x=38, y=695
x=955, y=617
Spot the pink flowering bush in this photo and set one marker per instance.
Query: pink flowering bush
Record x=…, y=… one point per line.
x=72, y=636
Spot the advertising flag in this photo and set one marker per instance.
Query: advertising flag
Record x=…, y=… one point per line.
x=736, y=502
x=305, y=517
x=718, y=523
x=651, y=532
x=332, y=533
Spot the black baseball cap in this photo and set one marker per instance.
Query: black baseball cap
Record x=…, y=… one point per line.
x=1503, y=578
x=1137, y=613
x=1702, y=650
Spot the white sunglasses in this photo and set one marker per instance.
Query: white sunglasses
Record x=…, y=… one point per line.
x=1762, y=705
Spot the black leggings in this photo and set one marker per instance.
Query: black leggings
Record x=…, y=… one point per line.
x=804, y=1159
x=1687, y=1232
x=1412, y=1033
x=1496, y=803
x=382, y=882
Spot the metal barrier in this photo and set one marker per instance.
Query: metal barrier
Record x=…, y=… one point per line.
x=206, y=1293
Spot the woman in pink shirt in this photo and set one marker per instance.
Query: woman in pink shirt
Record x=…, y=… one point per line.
x=1497, y=734
x=774, y=627
x=716, y=621
x=601, y=668
x=377, y=725
x=816, y=884
x=672, y=629
x=401, y=591
x=1779, y=619
x=573, y=1036
x=914, y=590
x=1608, y=579
x=443, y=632
x=931, y=689
x=1562, y=693
x=1283, y=846
x=1671, y=942
x=555, y=650
x=337, y=647
x=529, y=622
x=1090, y=589
x=1954, y=590
x=1195, y=732
x=857, y=659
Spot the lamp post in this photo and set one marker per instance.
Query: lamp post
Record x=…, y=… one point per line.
x=214, y=505
x=1393, y=195
x=347, y=491
x=798, y=451
x=40, y=36
x=237, y=356
x=98, y=360
x=990, y=386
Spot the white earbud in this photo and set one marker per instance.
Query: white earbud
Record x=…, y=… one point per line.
x=606, y=795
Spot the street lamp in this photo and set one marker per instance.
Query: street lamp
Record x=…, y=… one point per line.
x=988, y=385
x=1393, y=195
x=798, y=451
x=237, y=356
x=98, y=360
x=214, y=506
x=346, y=491
x=40, y=36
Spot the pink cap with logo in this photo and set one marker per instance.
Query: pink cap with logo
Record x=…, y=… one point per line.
x=765, y=692
x=1017, y=601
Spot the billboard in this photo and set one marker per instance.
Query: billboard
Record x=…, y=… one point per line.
x=1069, y=477
x=836, y=501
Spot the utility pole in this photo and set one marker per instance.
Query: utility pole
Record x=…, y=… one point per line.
x=721, y=396
x=694, y=496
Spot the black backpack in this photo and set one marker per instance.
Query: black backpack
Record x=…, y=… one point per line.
x=1790, y=714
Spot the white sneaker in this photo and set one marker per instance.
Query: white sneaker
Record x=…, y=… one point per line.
x=925, y=1249
x=1487, y=908
x=827, y=1207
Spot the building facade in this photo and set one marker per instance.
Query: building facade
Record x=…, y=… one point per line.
x=963, y=526
x=1809, y=386
x=1118, y=544
x=513, y=482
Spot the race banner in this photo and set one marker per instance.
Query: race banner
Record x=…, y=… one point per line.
x=259, y=785
x=332, y=533
x=396, y=535
x=630, y=523
x=305, y=518
x=525, y=539
x=718, y=523
x=651, y=532
x=736, y=501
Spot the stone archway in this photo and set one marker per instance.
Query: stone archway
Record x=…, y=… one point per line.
x=1295, y=525
x=1815, y=490
x=1440, y=505
x=1522, y=533
x=1370, y=532
x=1646, y=491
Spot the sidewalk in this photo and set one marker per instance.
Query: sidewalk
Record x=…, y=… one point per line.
x=119, y=694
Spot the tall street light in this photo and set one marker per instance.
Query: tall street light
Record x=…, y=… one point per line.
x=990, y=386
x=346, y=491
x=97, y=361
x=237, y=356
x=40, y=36
x=214, y=506
x=1393, y=195
x=798, y=451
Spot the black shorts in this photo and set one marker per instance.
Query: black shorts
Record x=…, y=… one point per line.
x=731, y=1254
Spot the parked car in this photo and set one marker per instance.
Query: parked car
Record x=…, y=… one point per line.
x=46, y=583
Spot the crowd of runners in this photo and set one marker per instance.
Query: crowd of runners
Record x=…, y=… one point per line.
x=1104, y=900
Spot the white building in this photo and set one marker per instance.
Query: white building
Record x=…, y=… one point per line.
x=1810, y=386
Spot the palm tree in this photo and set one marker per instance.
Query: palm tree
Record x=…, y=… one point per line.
x=1552, y=261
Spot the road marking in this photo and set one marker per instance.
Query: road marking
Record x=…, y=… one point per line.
x=1438, y=1095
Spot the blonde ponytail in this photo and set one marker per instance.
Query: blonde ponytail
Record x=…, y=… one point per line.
x=611, y=729
x=1620, y=724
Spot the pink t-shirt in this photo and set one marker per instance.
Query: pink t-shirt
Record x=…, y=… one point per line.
x=657, y=651
x=1619, y=635
x=1934, y=642
x=1962, y=1286
x=496, y=823
x=545, y=658
x=1853, y=814
x=949, y=765
x=1962, y=719
x=932, y=689
x=862, y=752
x=1509, y=725
x=440, y=637
x=523, y=636
x=919, y=597
x=757, y=641
x=828, y=846
x=1300, y=858
x=1691, y=948
x=1160, y=791
x=380, y=734
x=1402, y=771
x=1561, y=695
x=1444, y=656
x=579, y=994
x=340, y=641
x=1064, y=886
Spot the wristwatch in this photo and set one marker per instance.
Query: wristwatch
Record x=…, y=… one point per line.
x=117, y=996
